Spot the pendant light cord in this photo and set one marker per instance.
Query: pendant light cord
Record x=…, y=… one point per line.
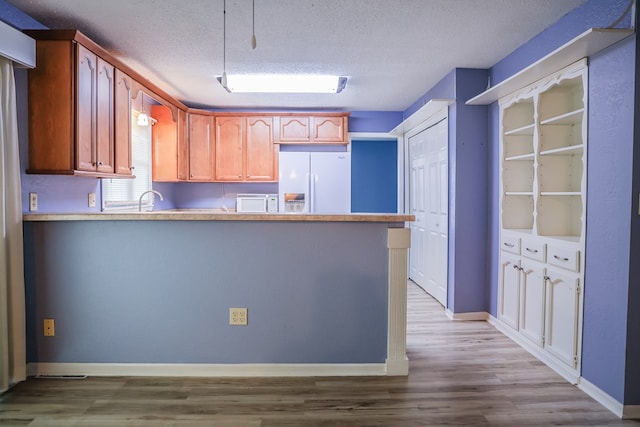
x=223, y=80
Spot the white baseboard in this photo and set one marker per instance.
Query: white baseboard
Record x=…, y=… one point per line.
x=209, y=370
x=397, y=367
x=479, y=315
x=601, y=397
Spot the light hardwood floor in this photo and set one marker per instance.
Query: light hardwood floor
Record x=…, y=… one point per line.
x=461, y=373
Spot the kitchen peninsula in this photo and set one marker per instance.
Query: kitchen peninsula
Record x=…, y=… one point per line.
x=150, y=293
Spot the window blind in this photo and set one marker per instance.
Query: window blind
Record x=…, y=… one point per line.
x=123, y=194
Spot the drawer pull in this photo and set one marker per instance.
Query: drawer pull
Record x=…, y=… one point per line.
x=509, y=245
x=561, y=258
x=533, y=251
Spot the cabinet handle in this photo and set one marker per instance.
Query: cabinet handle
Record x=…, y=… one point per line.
x=515, y=267
x=561, y=258
x=546, y=278
x=132, y=167
x=509, y=245
x=100, y=163
x=533, y=251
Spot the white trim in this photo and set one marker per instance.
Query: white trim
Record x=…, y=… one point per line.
x=473, y=316
x=209, y=370
x=586, y=44
x=601, y=397
x=16, y=46
x=397, y=367
x=423, y=114
x=398, y=243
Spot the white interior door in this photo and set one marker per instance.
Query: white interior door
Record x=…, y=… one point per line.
x=429, y=200
x=418, y=231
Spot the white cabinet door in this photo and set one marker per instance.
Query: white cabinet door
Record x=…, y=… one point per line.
x=509, y=290
x=562, y=315
x=532, y=307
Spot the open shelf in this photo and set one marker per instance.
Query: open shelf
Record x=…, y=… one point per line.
x=524, y=130
x=564, y=151
x=522, y=157
x=570, y=118
x=586, y=44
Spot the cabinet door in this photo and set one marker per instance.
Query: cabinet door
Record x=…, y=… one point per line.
x=164, y=139
x=105, y=131
x=532, y=306
x=294, y=129
x=229, y=148
x=562, y=316
x=183, y=146
x=562, y=313
x=329, y=129
x=200, y=147
x=122, y=123
x=260, y=150
x=509, y=290
x=85, y=109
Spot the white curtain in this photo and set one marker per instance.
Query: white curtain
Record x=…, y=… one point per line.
x=12, y=300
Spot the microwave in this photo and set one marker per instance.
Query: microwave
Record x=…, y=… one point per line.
x=256, y=203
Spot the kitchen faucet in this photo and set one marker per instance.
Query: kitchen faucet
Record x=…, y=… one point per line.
x=143, y=194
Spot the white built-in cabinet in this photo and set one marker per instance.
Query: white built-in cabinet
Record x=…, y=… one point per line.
x=543, y=148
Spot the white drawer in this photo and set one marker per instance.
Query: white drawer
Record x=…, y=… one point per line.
x=564, y=257
x=534, y=249
x=510, y=244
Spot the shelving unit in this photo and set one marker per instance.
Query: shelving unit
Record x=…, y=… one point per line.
x=543, y=146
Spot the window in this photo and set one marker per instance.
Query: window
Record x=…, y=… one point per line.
x=123, y=194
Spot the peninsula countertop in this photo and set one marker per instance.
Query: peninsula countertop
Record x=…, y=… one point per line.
x=215, y=215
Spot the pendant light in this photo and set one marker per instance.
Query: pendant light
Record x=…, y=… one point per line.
x=253, y=25
x=143, y=119
x=223, y=80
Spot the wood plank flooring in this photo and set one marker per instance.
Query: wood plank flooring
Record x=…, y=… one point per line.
x=461, y=373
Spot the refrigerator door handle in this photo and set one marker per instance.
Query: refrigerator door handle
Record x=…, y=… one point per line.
x=309, y=204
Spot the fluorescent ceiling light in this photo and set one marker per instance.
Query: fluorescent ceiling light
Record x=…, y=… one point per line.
x=284, y=83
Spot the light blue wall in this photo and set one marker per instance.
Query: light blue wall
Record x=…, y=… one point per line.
x=315, y=292
x=609, y=200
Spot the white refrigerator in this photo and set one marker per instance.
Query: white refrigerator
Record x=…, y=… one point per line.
x=318, y=182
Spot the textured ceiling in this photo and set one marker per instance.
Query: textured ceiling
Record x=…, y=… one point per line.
x=393, y=51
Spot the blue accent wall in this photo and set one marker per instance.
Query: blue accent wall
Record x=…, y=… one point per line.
x=374, y=121
x=374, y=182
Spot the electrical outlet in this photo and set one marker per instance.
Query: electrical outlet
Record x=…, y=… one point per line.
x=33, y=202
x=92, y=200
x=49, y=328
x=238, y=316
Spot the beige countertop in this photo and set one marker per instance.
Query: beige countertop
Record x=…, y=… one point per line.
x=214, y=215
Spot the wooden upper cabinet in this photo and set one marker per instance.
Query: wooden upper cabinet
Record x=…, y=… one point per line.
x=230, y=134
x=72, y=110
x=245, y=149
x=169, y=144
x=105, y=117
x=87, y=70
x=261, y=159
x=295, y=129
x=201, y=147
x=329, y=128
x=123, y=123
